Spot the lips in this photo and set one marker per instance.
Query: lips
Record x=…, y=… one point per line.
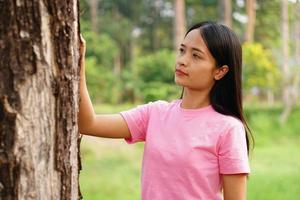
x=180, y=73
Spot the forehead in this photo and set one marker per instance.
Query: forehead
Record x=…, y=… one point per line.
x=194, y=39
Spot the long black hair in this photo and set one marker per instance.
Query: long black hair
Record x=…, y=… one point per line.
x=226, y=94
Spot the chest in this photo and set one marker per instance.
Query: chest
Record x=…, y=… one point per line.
x=184, y=142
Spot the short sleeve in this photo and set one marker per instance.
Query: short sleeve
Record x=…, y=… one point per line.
x=137, y=122
x=233, y=156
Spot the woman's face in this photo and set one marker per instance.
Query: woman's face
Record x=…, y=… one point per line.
x=195, y=67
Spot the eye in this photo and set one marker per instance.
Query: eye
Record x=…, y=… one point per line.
x=180, y=50
x=196, y=56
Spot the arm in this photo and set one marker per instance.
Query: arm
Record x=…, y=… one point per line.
x=103, y=125
x=234, y=186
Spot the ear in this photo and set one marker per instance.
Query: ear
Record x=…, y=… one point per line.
x=220, y=72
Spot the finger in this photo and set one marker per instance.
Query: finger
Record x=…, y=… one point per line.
x=82, y=39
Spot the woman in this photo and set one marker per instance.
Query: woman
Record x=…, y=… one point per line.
x=196, y=147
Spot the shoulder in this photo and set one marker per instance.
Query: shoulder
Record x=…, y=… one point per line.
x=161, y=105
x=228, y=122
x=235, y=129
x=232, y=122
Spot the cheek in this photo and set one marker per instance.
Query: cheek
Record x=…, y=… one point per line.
x=203, y=77
x=203, y=71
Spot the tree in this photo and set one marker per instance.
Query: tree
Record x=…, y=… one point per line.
x=94, y=14
x=290, y=81
x=267, y=23
x=39, y=80
x=285, y=61
x=251, y=14
x=226, y=12
x=296, y=81
x=179, y=22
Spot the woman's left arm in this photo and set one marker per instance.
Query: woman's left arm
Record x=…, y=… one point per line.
x=234, y=186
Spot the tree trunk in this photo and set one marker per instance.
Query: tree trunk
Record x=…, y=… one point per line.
x=251, y=14
x=94, y=14
x=39, y=81
x=226, y=12
x=296, y=81
x=179, y=22
x=285, y=61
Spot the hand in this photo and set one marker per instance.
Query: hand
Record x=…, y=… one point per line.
x=82, y=49
x=82, y=46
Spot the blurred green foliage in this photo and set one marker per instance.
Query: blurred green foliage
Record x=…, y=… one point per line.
x=259, y=68
x=130, y=57
x=103, y=48
x=100, y=54
x=155, y=76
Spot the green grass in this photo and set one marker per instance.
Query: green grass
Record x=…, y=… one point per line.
x=266, y=128
x=275, y=172
x=111, y=168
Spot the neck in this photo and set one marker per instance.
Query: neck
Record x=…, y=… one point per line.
x=193, y=99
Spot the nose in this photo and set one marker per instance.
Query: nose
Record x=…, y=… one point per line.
x=182, y=60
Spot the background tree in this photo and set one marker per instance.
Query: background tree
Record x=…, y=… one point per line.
x=179, y=22
x=39, y=79
x=251, y=16
x=296, y=82
x=267, y=17
x=291, y=73
x=226, y=12
x=141, y=28
x=94, y=15
x=285, y=60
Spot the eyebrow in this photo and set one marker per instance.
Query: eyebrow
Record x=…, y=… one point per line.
x=193, y=48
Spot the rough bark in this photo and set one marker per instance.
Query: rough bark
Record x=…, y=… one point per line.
x=179, y=22
x=39, y=76
x=251, y=14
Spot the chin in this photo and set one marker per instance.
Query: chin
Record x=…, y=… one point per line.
x=179, y=83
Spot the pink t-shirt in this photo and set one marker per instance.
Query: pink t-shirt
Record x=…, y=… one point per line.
x=186, y=150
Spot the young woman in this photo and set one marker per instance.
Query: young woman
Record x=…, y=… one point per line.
x=196, y=147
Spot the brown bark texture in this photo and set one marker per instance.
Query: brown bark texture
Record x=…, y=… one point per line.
x=39, y=81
